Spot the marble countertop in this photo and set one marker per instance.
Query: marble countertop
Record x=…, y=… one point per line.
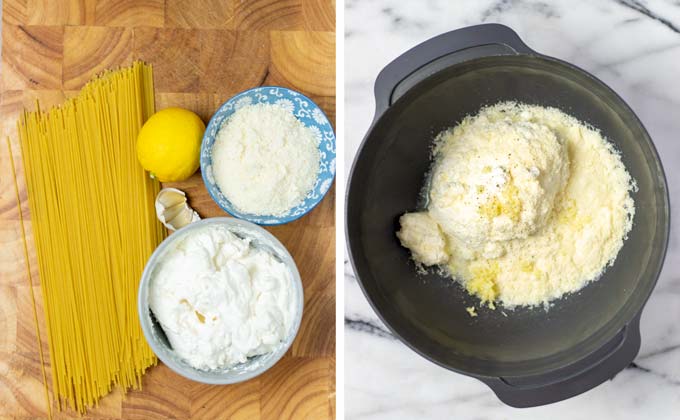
x=634, y=47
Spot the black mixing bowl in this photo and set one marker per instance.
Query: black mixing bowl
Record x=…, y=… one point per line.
x=531, y=356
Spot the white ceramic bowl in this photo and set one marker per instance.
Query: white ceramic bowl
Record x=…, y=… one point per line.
x=156, y=337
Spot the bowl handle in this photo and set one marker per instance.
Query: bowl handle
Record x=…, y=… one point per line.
x=587, y=373
x=440, y=52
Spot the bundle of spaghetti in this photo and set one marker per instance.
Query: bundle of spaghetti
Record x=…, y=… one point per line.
x=94, y=227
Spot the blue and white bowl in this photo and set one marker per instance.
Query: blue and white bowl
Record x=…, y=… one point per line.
x=304, y=110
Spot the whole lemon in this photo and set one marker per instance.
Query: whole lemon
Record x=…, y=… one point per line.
x=169, y=144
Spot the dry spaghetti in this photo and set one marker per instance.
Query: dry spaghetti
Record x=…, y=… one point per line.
x=94, y=226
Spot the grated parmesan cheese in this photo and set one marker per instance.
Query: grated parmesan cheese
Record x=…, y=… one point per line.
x=265, y=161
x=533, y=204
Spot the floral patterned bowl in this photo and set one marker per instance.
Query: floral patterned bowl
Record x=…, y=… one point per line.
x=304, y=110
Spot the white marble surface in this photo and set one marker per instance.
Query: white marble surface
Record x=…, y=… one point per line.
x=635, y=48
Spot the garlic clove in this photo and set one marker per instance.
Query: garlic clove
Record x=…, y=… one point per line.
x=170, y=197
x=182, y=218
x=172, y=212
x=166, y=198
x=172, y=209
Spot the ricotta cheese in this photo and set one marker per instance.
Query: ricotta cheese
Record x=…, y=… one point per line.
x=496, y=179
x=219, y=300
x=421, y=234
x=533, y=204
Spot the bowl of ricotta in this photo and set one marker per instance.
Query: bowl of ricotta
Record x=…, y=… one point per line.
x=268, y=155
x=220, y=301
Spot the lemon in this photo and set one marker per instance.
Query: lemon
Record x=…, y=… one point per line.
x=169, y=144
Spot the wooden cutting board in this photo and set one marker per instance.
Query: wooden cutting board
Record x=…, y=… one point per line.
x=203, y=52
